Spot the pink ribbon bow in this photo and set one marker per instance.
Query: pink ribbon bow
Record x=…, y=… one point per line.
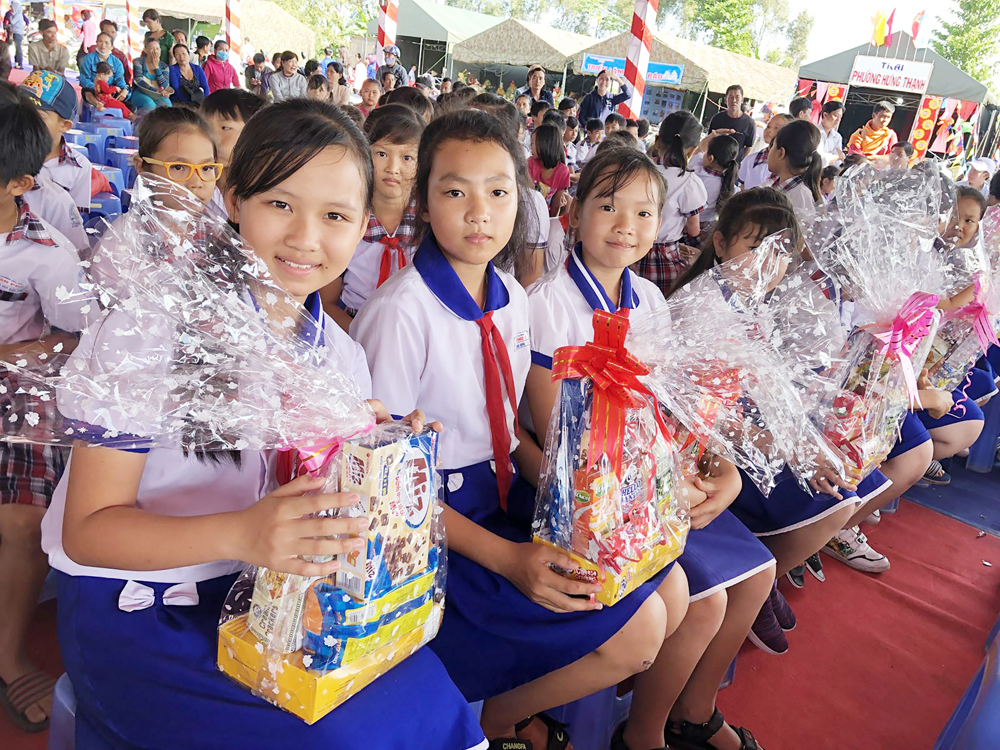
x=981, y=319
x=910, y=326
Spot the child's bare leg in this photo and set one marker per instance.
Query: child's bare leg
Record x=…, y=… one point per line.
x=632, y=649
x=696, y=703
x=656, y=689
x=952, y=438
x=792, y=547
x=905, y=471
x=23, y=567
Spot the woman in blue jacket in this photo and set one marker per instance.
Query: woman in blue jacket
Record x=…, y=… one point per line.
x=88, y=67
x=186, y=78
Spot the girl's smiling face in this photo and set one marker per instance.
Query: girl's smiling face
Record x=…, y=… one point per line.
x=471, y=200
x=618, y=230
x=395, y=167
x=304, y=231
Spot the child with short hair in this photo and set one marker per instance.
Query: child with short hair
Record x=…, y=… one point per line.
x=554, y=117
x=801, y=108
x=57, y=105
x=37, y=266
x=828, y=183
x=228, y=111
x=318, y=88
x=106, y=93
x=371, y=90
x=901, y=155
x=754, y=170
x=523, y=104
x=594, y=136
x=569, y=142
x=547, y=167
x=569, y=107
x=388, y=244
x=642, y=132
x=613, y=122
x=168, y=516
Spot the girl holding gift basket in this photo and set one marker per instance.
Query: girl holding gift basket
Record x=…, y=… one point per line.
x=616, y=214
x=146, y=540
x=451, y=332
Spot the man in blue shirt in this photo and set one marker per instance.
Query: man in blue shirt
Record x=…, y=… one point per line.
x=535, y=87
x=598, y=104
x=326, y=60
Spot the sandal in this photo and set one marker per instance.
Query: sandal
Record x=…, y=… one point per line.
x=936, y=475
x=558, y=737
x=22, y=694
x=687, y=736
x=618, y=739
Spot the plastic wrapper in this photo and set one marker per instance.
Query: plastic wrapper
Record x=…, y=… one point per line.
x=309, y=644
x=193, y=346
x=609, y=492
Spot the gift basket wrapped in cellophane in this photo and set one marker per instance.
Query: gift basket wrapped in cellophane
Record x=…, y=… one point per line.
x=968, y=329
x=192, y=346
x=879, y=258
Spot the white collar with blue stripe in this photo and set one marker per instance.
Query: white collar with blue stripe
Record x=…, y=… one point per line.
x=444, y=283
x=595, y=294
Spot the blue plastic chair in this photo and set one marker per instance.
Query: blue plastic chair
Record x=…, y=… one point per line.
x=123, y=141
x=983, y=452
x=77, y=148
x=62, y=725
x=975, y=723
x=115, y=177
x=99, y=127
x=105, y=205
x=122, y=158
x=93, y=142
x=110, y=120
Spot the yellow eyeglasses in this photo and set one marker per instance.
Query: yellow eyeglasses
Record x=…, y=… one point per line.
x=180, y=171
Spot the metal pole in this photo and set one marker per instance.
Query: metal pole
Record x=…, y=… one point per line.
x=420, y=58
x=562, y=86
x=704, y=101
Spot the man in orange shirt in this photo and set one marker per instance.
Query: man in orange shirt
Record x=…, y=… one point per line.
x=876, y=139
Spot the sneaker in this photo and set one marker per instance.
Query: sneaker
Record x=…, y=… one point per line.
x=874, y=517
x=797, y=576
x=766, y=633
x=782, y=610
x=851, y=546
x=815, y=566
x=935, y=475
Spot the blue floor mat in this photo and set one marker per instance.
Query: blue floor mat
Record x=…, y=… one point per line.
x=971, y=497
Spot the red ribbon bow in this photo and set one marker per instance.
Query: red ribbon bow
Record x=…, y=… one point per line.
x=614, y=374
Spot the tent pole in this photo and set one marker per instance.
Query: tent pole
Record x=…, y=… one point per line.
x=562, y=86
x=420, y=58
x=704, y=101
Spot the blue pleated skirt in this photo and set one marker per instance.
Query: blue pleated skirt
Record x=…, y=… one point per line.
x=148, y=679
x=493, y=638
x=721, y=555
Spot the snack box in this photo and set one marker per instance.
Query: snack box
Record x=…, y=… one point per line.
x=307, y=694
x=393, y=471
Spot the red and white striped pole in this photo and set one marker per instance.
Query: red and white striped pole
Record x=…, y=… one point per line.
x=387, y=14
x=133, y=34
x=59, y=16
x=234, y=37
x=637, y=56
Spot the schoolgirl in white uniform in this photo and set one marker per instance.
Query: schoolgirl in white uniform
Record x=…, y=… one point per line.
x=615, y=214
x=797, y=165
x=451, y=332
x=146, y=543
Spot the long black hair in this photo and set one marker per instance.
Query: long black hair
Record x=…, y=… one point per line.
x=475, y=126
x=726, y=151
x=679, y=132
x=765, y=209
x=800, y=140
x=549, y=146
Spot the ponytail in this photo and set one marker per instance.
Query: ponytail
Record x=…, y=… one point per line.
x=800, y=140
x=725, y=150
x=679, y=132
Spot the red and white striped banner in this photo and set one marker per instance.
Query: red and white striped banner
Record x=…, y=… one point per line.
x=133, y=34
x=637, y=56
x=234, y=37
x=387, y=14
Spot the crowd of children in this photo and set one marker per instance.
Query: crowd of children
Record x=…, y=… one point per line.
x=447, y=251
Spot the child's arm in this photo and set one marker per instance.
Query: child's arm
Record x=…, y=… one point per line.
x=959, y=301
x=103, y=528
x=692, y=227
x=721, y=483
x=528, y=455
x=330, y=297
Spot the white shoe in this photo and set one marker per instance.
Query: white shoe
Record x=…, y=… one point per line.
x=850, y=546
x=873, y=518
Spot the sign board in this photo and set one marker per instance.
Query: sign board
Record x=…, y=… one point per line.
x=891, y=74
x=658, y=74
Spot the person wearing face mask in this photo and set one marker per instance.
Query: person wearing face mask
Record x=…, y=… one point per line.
x=735, y=119
x=599, y=103
x=218, y=71
x=88, y=70
x=110, y=28
x=392, y=65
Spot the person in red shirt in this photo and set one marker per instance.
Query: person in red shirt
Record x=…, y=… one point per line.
x=110, y=28
x=219, y=72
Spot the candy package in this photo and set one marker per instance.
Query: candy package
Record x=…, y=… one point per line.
x=308, y=644
x=608, y=494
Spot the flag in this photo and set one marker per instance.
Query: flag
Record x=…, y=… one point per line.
x=917, y=21
x=878, y=33
x=888, y=28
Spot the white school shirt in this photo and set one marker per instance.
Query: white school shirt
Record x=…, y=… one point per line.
x=422, y=354
x=799, y=194
x=562, y=306
x=361, y=276
x=49, y=202
x=712, y=181
x=40, y=280
x=686, y=196
x=173, y=484
x=829, y=144
x=71, y=171
x=754, y=171
x=539, y=223
x=219, y=202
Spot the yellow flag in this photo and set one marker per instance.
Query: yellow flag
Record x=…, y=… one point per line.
x=878, y=33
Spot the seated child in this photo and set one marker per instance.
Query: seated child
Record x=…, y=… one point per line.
x=614, y=122
x=106, y=91
x=828, y=182
x=595, y=134
x=901, y=155
x=547, y=167
x=754, y=170
x=370, y=92
x=227, y=111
